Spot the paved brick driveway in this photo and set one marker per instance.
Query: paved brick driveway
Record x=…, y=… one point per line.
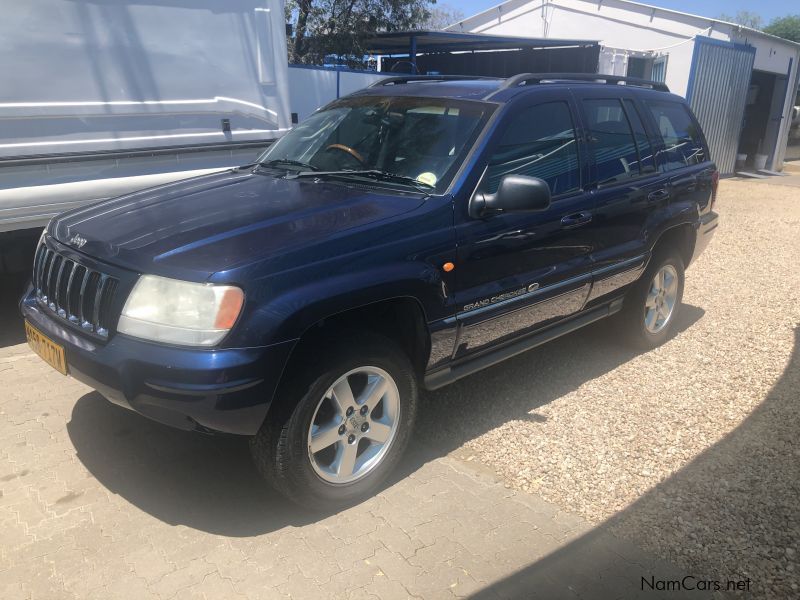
x=98, y=502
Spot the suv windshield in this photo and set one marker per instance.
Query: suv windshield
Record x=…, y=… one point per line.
x=423, y=139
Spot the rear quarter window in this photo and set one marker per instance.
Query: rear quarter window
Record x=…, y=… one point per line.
x=683, y=143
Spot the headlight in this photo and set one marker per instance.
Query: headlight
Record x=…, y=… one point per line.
x=180, y=312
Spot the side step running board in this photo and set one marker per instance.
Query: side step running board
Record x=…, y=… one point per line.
x=442, y=377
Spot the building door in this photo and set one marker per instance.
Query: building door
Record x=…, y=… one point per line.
x=773, y=129
x=717, y=93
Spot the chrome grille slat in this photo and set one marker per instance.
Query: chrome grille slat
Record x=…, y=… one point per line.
x=98, y=297
x=86, y=301
x=82, y=295
x=105, y=304
x=41, y=255
x=64, y=270
x=73, y=292
x=42, y=269
x=68, y=295
x=37, y=258
x=51, y=281
x=47, y=272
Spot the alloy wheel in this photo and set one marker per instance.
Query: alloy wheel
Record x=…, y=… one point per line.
x=354, y=425
x=661, y=299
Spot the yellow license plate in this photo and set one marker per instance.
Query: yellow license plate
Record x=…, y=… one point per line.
x=52, y=353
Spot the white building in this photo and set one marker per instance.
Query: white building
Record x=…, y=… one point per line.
x=740, y=82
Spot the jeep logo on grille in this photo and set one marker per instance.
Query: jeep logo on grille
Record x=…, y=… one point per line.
x=78, y=240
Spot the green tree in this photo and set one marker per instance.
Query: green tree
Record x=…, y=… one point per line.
x=743, y=17
x=441, y=16
x=787, y=27
x=340, y=27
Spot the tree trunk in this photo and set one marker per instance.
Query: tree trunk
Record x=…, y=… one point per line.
x=303, y=10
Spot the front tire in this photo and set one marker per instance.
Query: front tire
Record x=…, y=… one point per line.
x=342, y=422
x=653, y=303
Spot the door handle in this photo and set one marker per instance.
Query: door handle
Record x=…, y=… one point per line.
x=657, y=195
x=576, y=220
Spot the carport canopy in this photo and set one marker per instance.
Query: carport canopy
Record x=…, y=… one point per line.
x=426, y=41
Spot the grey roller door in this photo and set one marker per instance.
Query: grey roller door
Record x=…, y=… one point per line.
x=717, y=93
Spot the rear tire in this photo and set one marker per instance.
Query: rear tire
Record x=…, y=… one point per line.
x=653, y=303
x=341, y=423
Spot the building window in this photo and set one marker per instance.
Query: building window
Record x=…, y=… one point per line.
x=637, y=67
x=659, y=69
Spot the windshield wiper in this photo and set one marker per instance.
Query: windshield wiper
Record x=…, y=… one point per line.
x=287, y=161
x=371, y=173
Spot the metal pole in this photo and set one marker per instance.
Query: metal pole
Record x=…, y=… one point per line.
x=412, y=54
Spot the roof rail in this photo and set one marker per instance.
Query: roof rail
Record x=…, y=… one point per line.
x=534, y=78
x=411, y=78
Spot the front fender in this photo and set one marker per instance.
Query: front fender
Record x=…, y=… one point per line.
x=288, y=293
x=292, y=313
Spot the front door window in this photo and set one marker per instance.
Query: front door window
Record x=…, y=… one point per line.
x=539, y=142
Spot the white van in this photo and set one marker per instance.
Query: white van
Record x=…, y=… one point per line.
x=102, y=98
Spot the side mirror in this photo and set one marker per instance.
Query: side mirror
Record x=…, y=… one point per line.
x=516, y=193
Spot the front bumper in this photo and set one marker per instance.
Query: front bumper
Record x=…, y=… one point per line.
x=213, y=390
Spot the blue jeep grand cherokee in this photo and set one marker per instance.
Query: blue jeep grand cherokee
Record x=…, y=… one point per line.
x=402, y=237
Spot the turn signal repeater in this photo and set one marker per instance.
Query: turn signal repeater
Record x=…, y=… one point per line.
x=448, y=266
x=229, y=308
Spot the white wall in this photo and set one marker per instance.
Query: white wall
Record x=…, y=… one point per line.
x=311, y=88
x=353, y=81
x=614, y=22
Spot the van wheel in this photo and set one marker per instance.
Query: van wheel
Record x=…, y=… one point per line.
x=342, y=423
x=652, y=305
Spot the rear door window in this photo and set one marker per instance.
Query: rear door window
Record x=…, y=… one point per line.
x=643, y=145
x=683, y=144
x=615, y=152
x=538, y=142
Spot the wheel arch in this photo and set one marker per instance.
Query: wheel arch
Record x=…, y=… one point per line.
x=401, y=318
x=682, y=237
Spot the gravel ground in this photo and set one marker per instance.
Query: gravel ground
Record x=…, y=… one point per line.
x=690, y=450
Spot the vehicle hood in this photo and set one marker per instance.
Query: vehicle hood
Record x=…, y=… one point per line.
x=207, y=224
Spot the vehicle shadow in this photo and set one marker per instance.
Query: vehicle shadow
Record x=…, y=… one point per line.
x=209, y=482
x=12, y=287
x=737, y=500
x=202, y=481
x=514, y=389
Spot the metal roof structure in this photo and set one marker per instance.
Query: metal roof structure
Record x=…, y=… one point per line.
x=426, y=41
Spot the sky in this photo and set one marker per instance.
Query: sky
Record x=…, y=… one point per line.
x=768, y=9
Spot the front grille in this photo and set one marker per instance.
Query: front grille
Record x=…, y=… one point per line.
x=73, y=292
